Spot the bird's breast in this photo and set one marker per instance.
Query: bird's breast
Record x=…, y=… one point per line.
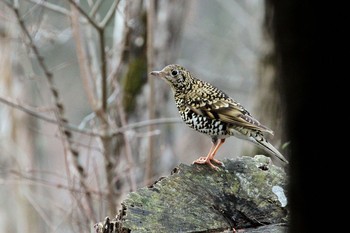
x=203, y=124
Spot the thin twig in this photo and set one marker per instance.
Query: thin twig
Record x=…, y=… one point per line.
x=151, y=97
x=98, y=183
x=43, y=215
x=101, y=112
x=122, y=52
x=85, y=71
x=106, y=138
x=51, y=6
x=95, y=7
x=103, y=70
x=59, y=109
x=128, y=151
x=48, y=75
x=109, y=14
x=141, y=124
x=115, y=132
x=147, y=123
x=35, y=114
x=86, y=16
x=100, y=27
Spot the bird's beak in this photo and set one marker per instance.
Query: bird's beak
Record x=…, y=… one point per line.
x=158, y=73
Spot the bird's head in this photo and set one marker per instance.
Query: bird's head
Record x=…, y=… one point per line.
x=176, y=76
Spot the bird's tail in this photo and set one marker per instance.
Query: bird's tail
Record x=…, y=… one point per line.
x=258, y=139
x=268, y=147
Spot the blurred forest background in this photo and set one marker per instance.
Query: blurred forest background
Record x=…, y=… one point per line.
x=82, y=123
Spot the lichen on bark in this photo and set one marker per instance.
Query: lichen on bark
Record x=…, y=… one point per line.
x=246, y=193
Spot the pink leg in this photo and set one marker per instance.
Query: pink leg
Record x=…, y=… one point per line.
x=210, y=157
x=221, y=141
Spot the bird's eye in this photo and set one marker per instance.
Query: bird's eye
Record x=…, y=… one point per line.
x=174, y=72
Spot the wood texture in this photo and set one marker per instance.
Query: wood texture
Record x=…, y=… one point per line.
x=247, y=193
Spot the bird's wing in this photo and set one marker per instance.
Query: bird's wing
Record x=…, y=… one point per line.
x=223, y=108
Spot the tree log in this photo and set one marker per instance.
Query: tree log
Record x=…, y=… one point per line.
x=247, y=193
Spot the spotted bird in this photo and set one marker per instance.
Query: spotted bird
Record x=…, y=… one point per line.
x=210, y=111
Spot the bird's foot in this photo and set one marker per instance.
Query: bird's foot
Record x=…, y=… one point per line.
x=217, y=162
x=206, y=160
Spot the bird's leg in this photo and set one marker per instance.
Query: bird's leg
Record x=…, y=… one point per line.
x=206, y=160
x=216, y=148
x=210, y=157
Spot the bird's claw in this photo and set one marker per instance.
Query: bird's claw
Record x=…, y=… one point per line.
x=217, y=162
x=206, y=160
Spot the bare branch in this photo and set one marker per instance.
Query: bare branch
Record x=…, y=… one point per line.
x=151, y=97
x=86, y=16
x=44, y=182
x=34, y=113
x=67, y=135
x=103, y=70
x=147, y=123
x=49, y=76
x=109, y=14
x=51, y=6
x=95, y=7
x=141, y=124
x=85, y=70
x=100, y=29
x=128, y=151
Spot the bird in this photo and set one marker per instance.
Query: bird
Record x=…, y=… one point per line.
x=209, y=110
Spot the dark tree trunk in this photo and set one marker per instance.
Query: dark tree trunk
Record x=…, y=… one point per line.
x=302, y=88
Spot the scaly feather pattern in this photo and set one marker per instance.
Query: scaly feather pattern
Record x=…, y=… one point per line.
x=208, y=110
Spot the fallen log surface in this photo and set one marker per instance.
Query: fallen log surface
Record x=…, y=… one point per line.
x=247, y=193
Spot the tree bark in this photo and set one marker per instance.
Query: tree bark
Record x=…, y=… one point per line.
x=247, y=193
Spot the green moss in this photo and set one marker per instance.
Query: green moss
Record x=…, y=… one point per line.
x=132, y=83
x=199, y=199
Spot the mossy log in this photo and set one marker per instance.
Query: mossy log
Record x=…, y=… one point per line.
x=247, y=193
